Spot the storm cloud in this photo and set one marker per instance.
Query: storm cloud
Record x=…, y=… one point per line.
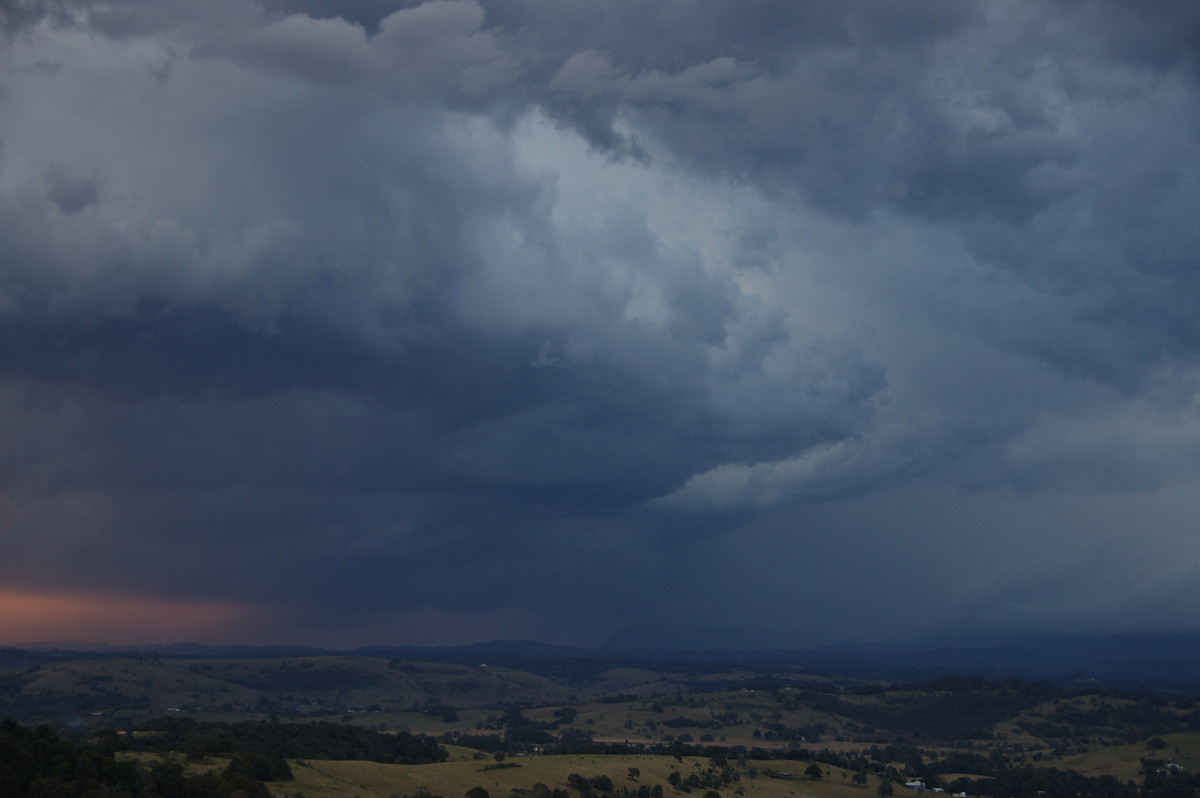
x=434, y=322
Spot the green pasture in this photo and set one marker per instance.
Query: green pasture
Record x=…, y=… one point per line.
x=1124, y=761
x=342, y=779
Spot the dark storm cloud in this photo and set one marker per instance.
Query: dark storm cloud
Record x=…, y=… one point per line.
x=16, y=14
x=72, y=193
x=513, y=310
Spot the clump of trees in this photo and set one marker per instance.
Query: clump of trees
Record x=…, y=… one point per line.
x=39, y=762
x=290, y=740
x=1033, y=781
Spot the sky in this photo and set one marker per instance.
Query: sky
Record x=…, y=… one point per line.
x=380, y=322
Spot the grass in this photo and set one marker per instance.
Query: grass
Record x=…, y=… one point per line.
x=389, y=695
x=452, y=779
x=1123, y=761
x=342, y=779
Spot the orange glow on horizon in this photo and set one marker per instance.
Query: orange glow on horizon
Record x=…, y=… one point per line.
x=28, y=617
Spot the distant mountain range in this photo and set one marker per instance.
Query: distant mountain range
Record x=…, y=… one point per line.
x=1161, y=661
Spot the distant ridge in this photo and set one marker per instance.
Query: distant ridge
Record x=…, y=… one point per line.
x=1145, y=661
x=515, y=648
x=170, y=649
x=90, y=647
x=685, y=638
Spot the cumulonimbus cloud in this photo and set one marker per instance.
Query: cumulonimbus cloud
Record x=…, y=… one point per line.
x=375, y=284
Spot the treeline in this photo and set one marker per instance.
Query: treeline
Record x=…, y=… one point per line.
x=38, y=762
x=969, y=708
x=45, y=705
x=1138, y=715
x=296, y=676
x=948, y=708
x=287, y=740
x=1031, y=782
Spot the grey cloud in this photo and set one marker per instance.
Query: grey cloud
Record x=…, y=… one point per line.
x=72, y=193
x=17, y=14
x=480, y=305
x=1160, y=36
x=435, y=50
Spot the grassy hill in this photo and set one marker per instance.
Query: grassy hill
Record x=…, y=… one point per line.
x=572, y=721
x=340, y=779
x=306, y=686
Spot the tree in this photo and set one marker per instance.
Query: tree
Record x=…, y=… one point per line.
x=260, y=767
x=477, y=792
x=602, y=783
x=885, y=788
x=814, y=771
x=860, y=779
